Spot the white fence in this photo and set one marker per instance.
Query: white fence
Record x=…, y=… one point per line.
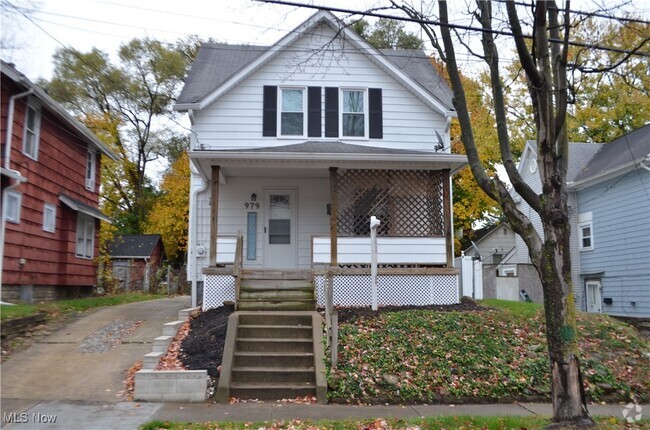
x=471, y=276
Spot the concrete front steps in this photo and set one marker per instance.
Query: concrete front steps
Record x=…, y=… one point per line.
x=276, y=290
x=272, y=356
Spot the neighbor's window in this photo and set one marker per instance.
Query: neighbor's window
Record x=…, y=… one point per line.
x=585, y=231
x=49, y=218
x=12, y=204
x=292, y=116
x=32, y=130
x=353, y=113
x=85, y=235
x=90, y=169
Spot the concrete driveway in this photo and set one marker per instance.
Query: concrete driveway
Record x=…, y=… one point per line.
x=55, y=368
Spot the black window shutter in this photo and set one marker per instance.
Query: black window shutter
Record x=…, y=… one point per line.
x=313, y=112
x=270, y=117
x=375, y=120
x=331, y=112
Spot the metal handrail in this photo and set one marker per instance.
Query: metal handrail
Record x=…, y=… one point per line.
x=237, y=266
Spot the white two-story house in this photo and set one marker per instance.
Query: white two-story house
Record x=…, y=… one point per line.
x=295, y=146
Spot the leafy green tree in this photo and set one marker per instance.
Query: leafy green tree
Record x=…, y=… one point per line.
x=128, y=103
x=387, y=34
x=170, y=212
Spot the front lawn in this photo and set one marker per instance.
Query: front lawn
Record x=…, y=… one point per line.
x=466, y=423
x=490, y=355
x=56, y=308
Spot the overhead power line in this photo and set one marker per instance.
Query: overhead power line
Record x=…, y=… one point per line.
x=374, y=14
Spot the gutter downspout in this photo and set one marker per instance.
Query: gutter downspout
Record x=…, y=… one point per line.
x=193, y=232
x=7, y=165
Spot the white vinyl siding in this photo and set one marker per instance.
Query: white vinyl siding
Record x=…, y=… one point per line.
x=32, y=127
x=234, y=121
x=390, y=250
x=91, y=161
x=49, y=218
x=12, y=204
x=85, y=236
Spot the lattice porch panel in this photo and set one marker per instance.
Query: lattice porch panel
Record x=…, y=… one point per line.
x=398, y=290
x=218, y=289
x=408, y=202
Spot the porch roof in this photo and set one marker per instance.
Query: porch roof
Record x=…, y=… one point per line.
x=317, y=156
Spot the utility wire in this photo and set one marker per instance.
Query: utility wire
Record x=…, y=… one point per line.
x=456, y=26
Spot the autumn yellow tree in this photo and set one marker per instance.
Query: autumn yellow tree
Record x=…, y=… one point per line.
x=170, y=212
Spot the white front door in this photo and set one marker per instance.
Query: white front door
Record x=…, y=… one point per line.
x=280, y=239
x=594, y=299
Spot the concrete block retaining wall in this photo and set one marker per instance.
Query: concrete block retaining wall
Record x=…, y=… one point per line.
x=169, y=385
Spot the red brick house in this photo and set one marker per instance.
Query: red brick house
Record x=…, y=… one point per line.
x=50, y=195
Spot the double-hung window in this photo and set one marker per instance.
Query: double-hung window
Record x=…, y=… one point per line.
x=353, y=113
x=32, y=128
x=85, y=236
x=292, y=112
x=90, y=170
x=11, y=206
x=49, y=218
x=585, y=231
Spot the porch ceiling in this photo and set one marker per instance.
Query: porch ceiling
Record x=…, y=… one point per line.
x=297, y=161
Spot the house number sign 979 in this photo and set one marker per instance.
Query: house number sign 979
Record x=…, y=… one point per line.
x=252, y=205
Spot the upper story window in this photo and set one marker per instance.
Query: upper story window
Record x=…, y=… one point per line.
x=292, y=112
x=49, y=218
x=585, y=231
x=91, y=161
x=11, y=206
x=353, y=113
x=32, y=129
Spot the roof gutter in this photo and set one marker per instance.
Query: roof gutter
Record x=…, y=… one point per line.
x=575, y=185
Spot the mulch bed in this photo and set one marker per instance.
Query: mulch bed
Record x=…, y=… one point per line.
x=203, y=346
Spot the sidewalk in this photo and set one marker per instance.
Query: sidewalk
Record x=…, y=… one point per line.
x=127, y=416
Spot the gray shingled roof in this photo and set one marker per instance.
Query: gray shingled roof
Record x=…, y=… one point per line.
x=214, y=64
x=133, y=245
x=632, y=147
x=217, y=62
x=579, y=155
x=318, y=147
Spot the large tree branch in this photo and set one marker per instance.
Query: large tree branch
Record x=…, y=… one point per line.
x=492, y=59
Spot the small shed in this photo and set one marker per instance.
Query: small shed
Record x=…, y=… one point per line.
x=135, y=259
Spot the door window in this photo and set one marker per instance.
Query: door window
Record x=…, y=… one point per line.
x=280, y=219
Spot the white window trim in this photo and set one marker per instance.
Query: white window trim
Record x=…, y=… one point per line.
x=585, y=220
x=49, y=222
x=366, y=114
x=36, y=107
x=7, y=208
x=90, y=181
x=304, y=113
x=83, y=221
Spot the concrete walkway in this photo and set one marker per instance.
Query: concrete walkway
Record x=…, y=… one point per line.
x=55, y=369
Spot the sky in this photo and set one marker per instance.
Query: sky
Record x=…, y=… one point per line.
x=105, y=24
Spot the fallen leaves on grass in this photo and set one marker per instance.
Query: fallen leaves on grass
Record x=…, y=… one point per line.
x=427, y=356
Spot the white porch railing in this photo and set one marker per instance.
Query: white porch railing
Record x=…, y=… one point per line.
x=390, y=250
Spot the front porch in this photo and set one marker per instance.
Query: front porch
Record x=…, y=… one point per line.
x=307, y=214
